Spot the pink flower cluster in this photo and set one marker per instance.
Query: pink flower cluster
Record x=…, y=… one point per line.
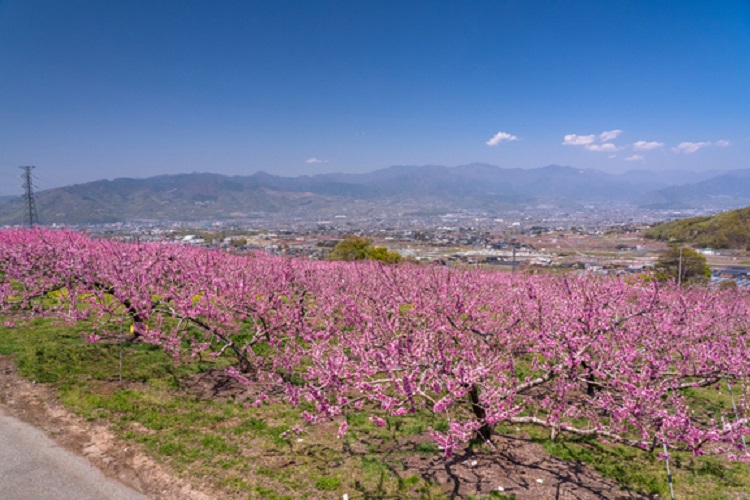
x=592, y=356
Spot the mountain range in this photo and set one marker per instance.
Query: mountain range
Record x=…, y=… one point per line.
x=202, y=196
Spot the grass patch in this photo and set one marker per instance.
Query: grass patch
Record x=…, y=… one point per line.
x=694, y=477
x=328, y=483
x=427, y=448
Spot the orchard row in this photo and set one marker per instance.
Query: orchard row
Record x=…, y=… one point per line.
x=582, y=355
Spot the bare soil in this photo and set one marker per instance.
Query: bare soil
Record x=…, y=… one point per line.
x=217, y=385
x=518, y=467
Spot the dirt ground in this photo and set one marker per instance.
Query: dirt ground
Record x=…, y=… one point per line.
x=518, y=467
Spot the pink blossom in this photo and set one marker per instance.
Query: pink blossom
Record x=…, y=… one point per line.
x=342, y=430
x=378, y=421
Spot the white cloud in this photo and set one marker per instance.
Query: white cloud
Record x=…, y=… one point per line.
x=723, y=143
x=634, y=158
x=690, y=147
x=607, y=147
x=646, y=145
x=315, y=160
x=578, y=140
x=594, y=142
x=608, y=136
x=500, y=137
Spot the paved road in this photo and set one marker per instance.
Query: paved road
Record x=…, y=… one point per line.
x=34, y=467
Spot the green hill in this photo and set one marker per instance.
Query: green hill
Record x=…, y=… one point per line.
x=729, y=229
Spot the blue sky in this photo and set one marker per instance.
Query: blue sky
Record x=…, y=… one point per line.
x=104, y=88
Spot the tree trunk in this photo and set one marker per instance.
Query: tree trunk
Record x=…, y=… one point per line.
x=485, y=431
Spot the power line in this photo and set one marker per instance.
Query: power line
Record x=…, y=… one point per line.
x=32, y=219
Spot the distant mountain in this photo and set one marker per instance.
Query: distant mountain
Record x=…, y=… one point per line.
x=725, y=230
x=660, y=179
x=430, y=188
x=727, y=190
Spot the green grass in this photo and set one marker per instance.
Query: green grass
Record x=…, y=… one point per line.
x=328, y=483
x=694, y=477
x=427, y=448
x=615, y=462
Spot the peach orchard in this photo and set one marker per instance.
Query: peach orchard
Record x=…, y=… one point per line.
x=578, y=355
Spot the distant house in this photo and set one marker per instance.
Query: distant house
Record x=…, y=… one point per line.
x=734, y=273
x=192, y=239
x=541, y=261
x=594, y=268
x=638, y=268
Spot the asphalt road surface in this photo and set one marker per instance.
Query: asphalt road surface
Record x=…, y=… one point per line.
x=34, y=467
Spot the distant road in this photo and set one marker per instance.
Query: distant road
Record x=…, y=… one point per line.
x=33, y=467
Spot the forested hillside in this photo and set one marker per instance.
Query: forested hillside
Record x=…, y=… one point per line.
x=729, y=229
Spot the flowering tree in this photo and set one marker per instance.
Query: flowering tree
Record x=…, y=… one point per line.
x=486, y=349
x=579, y=355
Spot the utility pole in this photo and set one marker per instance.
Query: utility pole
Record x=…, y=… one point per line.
x=679, y=269
x=32, y=219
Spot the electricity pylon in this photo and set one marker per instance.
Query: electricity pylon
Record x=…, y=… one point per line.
x=32, y=219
